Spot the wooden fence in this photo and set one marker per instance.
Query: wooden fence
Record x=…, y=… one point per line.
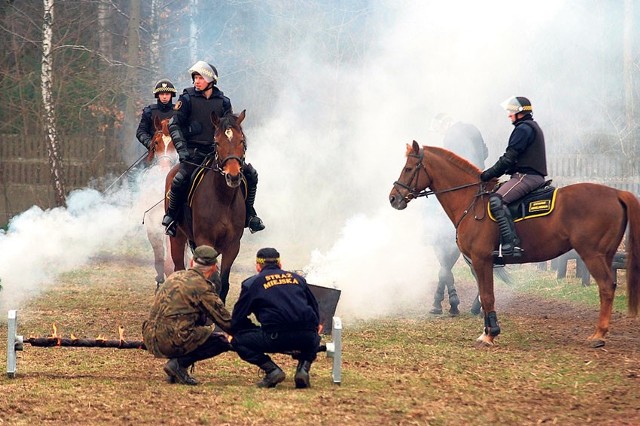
x=620, y=173
x=25, y=178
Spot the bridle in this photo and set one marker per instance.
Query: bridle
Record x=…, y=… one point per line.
x=218, y=164
x=412, y=192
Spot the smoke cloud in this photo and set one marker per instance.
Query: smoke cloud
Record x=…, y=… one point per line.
x=39, y=244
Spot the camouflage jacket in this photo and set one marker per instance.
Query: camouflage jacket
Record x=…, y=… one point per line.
x=180, y=310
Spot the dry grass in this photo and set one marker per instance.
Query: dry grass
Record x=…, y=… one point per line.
x=413, y=369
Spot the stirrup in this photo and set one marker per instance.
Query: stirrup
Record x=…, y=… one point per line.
x=254, y=223
x=510, y=251
x=170, y=229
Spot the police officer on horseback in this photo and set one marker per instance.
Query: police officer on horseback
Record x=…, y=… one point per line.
x=192, y=132
x=164, y=91
x=525, y=159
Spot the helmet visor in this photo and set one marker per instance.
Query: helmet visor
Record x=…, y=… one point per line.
x=514, y=105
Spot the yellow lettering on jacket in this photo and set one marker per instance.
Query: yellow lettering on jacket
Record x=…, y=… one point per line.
x=279, y=279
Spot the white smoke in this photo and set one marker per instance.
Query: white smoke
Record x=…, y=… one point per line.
x=39, y=244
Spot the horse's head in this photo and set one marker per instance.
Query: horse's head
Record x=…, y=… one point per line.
x=230, y=146
x=412, y=180
x=161, y=151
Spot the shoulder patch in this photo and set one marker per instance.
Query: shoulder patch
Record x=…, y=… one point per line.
x=178, y=105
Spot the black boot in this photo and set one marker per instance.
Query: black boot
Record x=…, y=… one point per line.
x=302, y=375
x=252, y=221
x=509, y=239
x=273, y=376
x=169, y=221
x=178, y=373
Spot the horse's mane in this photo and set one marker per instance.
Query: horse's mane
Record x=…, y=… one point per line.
x=456, y=160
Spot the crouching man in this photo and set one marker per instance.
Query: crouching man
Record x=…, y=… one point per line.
x=288, y=313
x=183, y=306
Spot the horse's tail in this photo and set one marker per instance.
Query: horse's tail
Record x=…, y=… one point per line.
x=633, y=250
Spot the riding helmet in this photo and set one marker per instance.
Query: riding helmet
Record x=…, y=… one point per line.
x=164, y=86
x=516, y=104
x=207, y=71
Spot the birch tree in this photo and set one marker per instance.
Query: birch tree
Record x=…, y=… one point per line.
x=133, y=59
x=53, y=150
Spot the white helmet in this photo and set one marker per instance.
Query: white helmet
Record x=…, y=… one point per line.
x=207, y=71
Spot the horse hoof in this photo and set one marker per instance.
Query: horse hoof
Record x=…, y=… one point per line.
x=435, y=311
x=485, y=340
x=597, y=343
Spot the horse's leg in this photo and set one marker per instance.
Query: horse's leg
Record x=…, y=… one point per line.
x=484, y=274
x=600, y=268
x=157, y=245
x=168, y=261
x=178, y=244
x=228, y=257
x=452, y=257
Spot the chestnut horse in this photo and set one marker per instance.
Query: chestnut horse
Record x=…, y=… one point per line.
x=217, y=205
x=161, y=157
x=587, y=217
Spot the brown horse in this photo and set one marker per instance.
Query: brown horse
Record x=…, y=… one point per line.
x=161, y=157
x=590, y=218
x=217, y=205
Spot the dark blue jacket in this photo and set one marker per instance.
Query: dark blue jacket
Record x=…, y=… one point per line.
x=280, y=300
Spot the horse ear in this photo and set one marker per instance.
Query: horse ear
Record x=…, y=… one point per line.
x=241, y=117
x=156, y=123
x=215, y=119
x=416, y=147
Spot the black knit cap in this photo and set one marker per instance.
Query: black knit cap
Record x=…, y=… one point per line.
x=267, y=255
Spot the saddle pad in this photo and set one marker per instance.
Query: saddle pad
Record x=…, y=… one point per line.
x=540, y=202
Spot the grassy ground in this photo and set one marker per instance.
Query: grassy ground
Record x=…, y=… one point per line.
x=414, y=369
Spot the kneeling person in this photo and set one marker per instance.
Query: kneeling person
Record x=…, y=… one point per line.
x=289, y=317
x=177, y=325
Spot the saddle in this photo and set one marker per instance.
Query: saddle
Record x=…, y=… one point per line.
x=539, y=202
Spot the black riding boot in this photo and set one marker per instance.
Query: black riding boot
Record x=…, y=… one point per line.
x=170, y=219
x=508, y=238
x=273, y=376
x=302, y=375
x=252, y=221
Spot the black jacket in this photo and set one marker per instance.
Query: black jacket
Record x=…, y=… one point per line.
x=280, y=300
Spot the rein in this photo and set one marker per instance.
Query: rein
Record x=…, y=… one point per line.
x=413, y=193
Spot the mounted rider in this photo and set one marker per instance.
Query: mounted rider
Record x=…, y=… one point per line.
x=163, y=91
x=192, y=132
x=525, y=159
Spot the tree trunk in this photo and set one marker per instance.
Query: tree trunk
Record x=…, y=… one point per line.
x=105, y=46
x=193, y=31
x=131, y=148
x=53, y=151
x=154, y=47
